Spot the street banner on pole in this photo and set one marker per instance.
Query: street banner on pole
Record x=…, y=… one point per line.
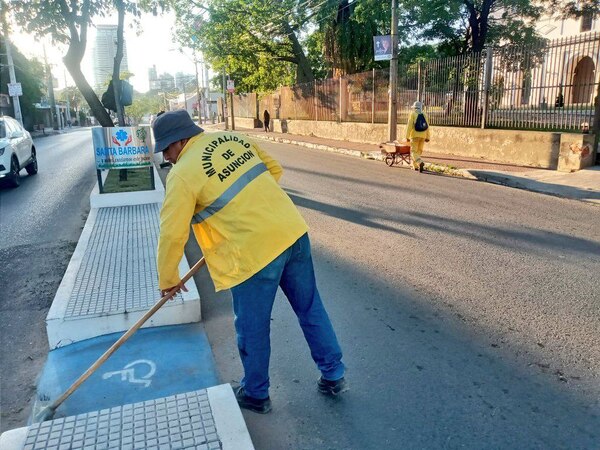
x=230, y=86
x=382, y=48
x=122, y=147
x=15, y=89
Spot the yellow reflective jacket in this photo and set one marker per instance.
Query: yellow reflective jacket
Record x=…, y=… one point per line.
x=226, y=186
x=410, y=127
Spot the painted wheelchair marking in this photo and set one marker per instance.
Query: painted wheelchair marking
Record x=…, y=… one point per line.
x=128, y=372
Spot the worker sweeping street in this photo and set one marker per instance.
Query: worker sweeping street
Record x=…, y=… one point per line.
x=253, y=239
x=417, y=132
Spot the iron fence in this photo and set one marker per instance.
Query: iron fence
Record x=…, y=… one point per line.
x=550, y=86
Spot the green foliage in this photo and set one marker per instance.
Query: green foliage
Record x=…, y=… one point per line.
x=465, y=25
x=576, y=8
x=348, y=30
x=71, y=93
x=30, y=73
x=254, y=40
x=144, y=104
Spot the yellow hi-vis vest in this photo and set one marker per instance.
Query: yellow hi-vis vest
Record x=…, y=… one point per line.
x=226, y=186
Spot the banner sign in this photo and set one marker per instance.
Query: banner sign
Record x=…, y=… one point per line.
x=122, y=147
x=230, y=86
x=382, y=47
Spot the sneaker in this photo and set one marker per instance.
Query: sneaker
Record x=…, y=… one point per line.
x=329, y=387
x=421, y=165
x=261, y=406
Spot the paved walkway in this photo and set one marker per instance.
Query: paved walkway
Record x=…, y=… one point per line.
x=583, y=185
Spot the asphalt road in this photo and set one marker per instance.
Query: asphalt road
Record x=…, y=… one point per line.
x=468, y=314
x=40, y=223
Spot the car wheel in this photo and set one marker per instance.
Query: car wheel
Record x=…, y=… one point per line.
x=32, y=167
x=14, y=179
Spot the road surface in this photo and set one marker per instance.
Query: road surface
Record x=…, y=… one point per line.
x=468, y=314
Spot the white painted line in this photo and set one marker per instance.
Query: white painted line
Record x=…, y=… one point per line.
x=229, y=421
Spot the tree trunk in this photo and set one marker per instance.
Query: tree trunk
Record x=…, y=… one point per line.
x=116, y=77
x=88, y=93
x=72, y=60
x=304, y=73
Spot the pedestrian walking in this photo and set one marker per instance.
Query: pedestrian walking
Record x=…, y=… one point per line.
x=266, y=120
x=254, y=241
x=417, y=132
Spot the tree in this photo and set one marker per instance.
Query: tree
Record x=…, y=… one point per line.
x=144, y=104
x=347, y=29
x=247, y=35
x=67, y=22
x=576, y=8
x=73, y=96
x=471, y=25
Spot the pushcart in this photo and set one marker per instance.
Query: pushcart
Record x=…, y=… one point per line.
x=395, y=152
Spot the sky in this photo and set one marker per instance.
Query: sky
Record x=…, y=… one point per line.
x=152, y=46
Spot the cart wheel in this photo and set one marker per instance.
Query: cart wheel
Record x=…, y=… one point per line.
x=389, y=160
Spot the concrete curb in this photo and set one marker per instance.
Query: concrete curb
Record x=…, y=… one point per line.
x=157, y=195
x=377, y=156
x=528, y=184
x=63, y=330
x=499, y=178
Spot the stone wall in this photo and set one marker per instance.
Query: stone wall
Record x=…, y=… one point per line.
x=525, y=148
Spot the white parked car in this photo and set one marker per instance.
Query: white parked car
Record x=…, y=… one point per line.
x=16, y=152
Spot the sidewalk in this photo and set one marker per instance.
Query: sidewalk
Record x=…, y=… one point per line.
x=583, y=185
x=35, y=134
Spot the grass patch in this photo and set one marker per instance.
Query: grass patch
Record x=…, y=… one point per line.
x=137, y=180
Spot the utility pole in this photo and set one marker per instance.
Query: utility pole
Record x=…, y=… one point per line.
x=67, y=96
x=197, y=89
x=207, y=96
x=50, y=85
x=232, y=114
x=225, y=100
x=393, y=95
x=11, y=66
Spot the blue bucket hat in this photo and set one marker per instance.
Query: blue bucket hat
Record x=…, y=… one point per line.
x=171, y=127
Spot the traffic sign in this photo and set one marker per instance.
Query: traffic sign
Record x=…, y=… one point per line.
x=15, y=89
x=230, y=86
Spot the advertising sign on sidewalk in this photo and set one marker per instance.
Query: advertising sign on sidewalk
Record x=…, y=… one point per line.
x=382, y=48
x=122, y=147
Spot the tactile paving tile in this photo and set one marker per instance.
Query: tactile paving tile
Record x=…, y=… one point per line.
x=118, y=270
x=182, y=421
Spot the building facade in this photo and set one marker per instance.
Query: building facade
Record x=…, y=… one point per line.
x=105, y=49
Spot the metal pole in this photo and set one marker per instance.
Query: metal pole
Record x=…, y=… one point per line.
x=487, y=81
x=419, y=80
x=232, y=114
x=393, y=94
x=373, y=100
x=225, y=101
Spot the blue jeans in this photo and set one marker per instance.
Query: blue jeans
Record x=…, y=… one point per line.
x=253, y=302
